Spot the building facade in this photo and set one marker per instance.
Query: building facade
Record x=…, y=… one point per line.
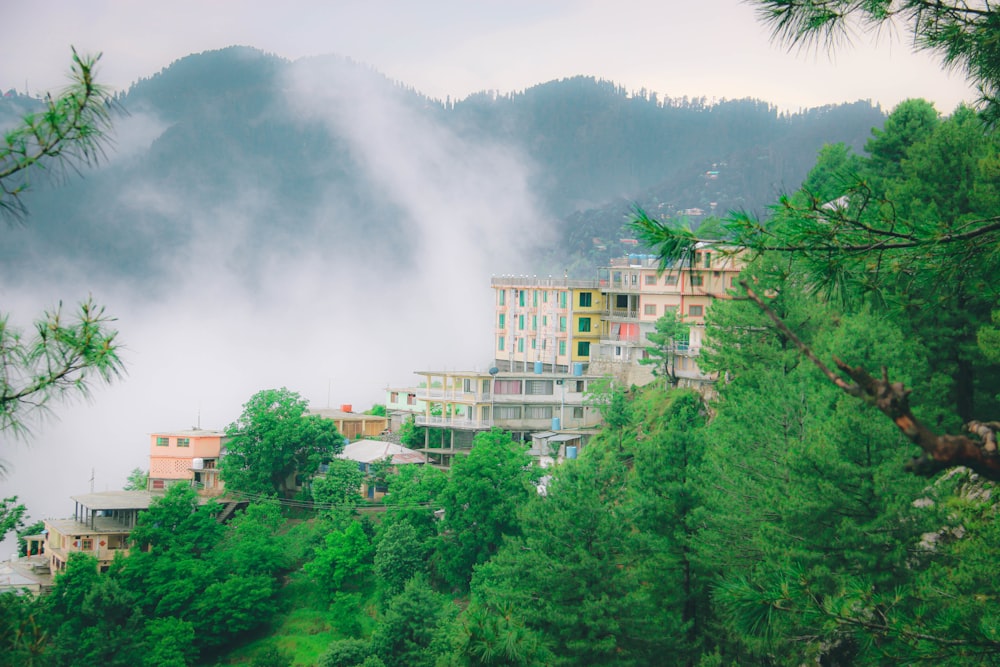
x=190, y=456
x=549, y=321
x=460, y=404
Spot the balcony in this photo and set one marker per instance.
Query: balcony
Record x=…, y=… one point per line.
x=456, y=423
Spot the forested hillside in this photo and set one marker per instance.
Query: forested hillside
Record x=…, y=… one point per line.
x=783, y=522
x=285, y=152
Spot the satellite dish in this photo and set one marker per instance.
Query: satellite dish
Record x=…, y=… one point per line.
x=494, y=370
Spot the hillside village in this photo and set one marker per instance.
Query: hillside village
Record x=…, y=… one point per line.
x=554, y=339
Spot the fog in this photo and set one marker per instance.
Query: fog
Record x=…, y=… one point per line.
x=336, y=322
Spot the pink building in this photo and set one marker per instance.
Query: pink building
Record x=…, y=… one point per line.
x=191, y=456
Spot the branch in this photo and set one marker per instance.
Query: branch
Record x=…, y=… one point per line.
x=892, y=399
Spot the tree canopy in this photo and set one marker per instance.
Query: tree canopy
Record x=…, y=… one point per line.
x=274, y=441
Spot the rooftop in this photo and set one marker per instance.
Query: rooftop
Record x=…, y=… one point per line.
x=368, y=451
x=117, y=500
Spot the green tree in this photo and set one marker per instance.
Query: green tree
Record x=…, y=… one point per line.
x=409, y=633
x=63, y=357
x=670, y=333
x=11, y=515
x=65, y=354
x=480, y=503
x=340, y=485
x=137, y=480
x=273, y=441
x=343, y=560
x=962, y=33
x=399, y=555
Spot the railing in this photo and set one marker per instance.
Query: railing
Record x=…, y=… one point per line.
x=535, y=281
x=621, y=313
x=448, y=422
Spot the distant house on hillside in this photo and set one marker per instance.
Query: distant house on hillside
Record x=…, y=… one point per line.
x=367, y=452
x=353, y=425
x=100, y=526
x=192, y=456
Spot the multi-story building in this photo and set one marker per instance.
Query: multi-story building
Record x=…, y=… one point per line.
x=100, y=526
x=637, y=294
x=191, y=456
x=554, y=322
x=461, y=404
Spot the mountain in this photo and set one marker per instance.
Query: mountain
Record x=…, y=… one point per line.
x=237, y=156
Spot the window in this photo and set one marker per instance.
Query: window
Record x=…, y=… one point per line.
x=635, y=279
x=534, y=322
x=534, y=298
x=538, y=387
x=562, y=324
x=538, y=412
x=157, y=483
x=583, y=348
x=503, y=297
x=521, y=297
x=545, y=296
x=162, y=442
x=562, y=347
x=87, y=544
x=520, y=345
x=670, y=279
x=697, y=281
x=393, y=397
x=708, y=260
x=584, y=324
x=649, y=309
x=650, y=278
x=500, y=343
x=544, y=340
x=507, y=387
x=578, y=412
x=502, y=321
x=585, y=299
x=507, y=412
x=696, y=311
x=562, y=299
x=581, y=385
x=411, y=399
x=732, y=281
x=520, y=322
x=545, y=320
x=534, y=343
x=467, y=385
x=183, y=442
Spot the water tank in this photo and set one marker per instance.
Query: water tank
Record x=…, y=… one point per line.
x=571, y=451
x=556, y=424
x=198, y=464
x=346, y=407
x=538, y=368
x=578, y=368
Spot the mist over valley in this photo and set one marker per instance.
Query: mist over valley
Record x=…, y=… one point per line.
x=311, y=224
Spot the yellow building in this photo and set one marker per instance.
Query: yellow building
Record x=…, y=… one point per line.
x=548, y=321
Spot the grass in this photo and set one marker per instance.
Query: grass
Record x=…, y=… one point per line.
x=306, y=622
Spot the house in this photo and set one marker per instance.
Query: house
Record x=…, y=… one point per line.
x=100, y=526
x=190, y=456
x=353, y=425
x=367, y=452
x=401, y=405
x=461, y=404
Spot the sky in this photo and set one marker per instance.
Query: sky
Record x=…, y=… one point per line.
x=198, y=352
x=711, y=48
